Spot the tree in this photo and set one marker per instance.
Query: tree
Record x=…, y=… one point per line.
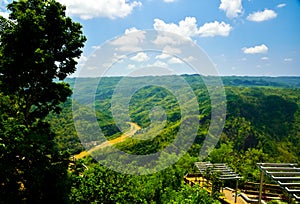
x=224, y=154
x=188, y=195
x=98, y=184
x=39, y=44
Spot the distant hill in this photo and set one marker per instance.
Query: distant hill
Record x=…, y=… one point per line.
x=281, y=81
x=262, y=81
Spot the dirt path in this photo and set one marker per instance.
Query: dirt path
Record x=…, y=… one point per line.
x=133, y=128
x=229, y=195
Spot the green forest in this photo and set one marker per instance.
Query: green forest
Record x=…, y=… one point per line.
x=39, y=139
x=262, y=125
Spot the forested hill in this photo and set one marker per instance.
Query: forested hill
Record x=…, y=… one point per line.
x=287, y=81
x=262, y=125
x=262, y=113
x=283, y=81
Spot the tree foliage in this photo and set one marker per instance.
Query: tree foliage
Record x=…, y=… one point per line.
x=97, y=184
x=38, y=44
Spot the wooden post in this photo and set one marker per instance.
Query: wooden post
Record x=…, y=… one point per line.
x=261, y=186
x=236, y=190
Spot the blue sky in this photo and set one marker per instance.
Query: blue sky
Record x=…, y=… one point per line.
x=241, y=37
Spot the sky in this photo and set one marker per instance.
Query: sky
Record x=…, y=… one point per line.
x=241, y=37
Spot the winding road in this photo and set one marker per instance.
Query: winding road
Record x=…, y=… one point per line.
x=133, y=128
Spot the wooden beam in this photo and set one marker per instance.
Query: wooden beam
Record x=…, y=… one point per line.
x=261, y=186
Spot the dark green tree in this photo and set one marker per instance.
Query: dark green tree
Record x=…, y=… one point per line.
x=39, y=44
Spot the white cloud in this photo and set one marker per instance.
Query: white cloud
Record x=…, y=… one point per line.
x=169, y=1
x=130, y=30
x=3, y=11
x=264, y=15
x=232, y=7
x=81, y=60
x=281, y=5
x=175, y=60
x=162, y=56
x=264, y=58
x=288, y=59
x=189, y=59
x=131, y=66
x=130, y=42
x=215, y=28
x=159, y=63
x=188, y=28
x=256, y=49
x=4, y=14
x=88, y=9
x=166, y=39
x=140, y=57
x=96, y=47
x=171, y=50
x=118, y=57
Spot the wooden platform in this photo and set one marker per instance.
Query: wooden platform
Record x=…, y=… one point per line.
x=228, y=195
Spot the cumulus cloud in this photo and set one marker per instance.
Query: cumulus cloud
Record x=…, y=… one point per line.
x=162, y=56
x=281, y=5
x=171, y=50
x=159, y=63
x=140, y=57
x=88, y=9
x=264, y=15
x=256, y=49
x=232, y=8
x=175, y=60
x=189, y=59
x=130, y=42
x=167, y=39
x=118, y=57
x=215, y=28
x=130, y=30
x=188, y=28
